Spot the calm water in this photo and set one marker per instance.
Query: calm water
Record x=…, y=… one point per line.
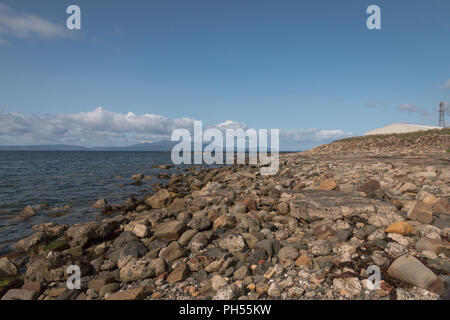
x=61, y=178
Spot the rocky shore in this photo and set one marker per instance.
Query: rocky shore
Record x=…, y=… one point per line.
x=309, y=232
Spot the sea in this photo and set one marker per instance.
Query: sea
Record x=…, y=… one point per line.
x=69, y=178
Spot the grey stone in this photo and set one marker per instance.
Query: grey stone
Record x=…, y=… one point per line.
x=412, y=271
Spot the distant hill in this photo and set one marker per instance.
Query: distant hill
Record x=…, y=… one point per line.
x=50, y=147
x=163, y=146
x=156, y=146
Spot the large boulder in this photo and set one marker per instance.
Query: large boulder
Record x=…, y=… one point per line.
x=32, y=241
x=412, y=271
x=51, y=268
x=82, y=233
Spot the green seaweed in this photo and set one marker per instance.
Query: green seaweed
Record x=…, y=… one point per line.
x=54, y=245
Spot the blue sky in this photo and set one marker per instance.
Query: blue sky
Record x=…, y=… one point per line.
x=309, y=68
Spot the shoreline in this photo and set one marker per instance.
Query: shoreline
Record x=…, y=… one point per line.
x=229, y=233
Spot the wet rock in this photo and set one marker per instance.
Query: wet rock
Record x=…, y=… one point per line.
x=51, y=268
x=137, y=176
x=412, y=271
x=82, y=233
x=163, y=166
x=100, y=204
x=26, y=213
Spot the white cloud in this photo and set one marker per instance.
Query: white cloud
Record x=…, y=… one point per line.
x=25, y=25
x=101, y=127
